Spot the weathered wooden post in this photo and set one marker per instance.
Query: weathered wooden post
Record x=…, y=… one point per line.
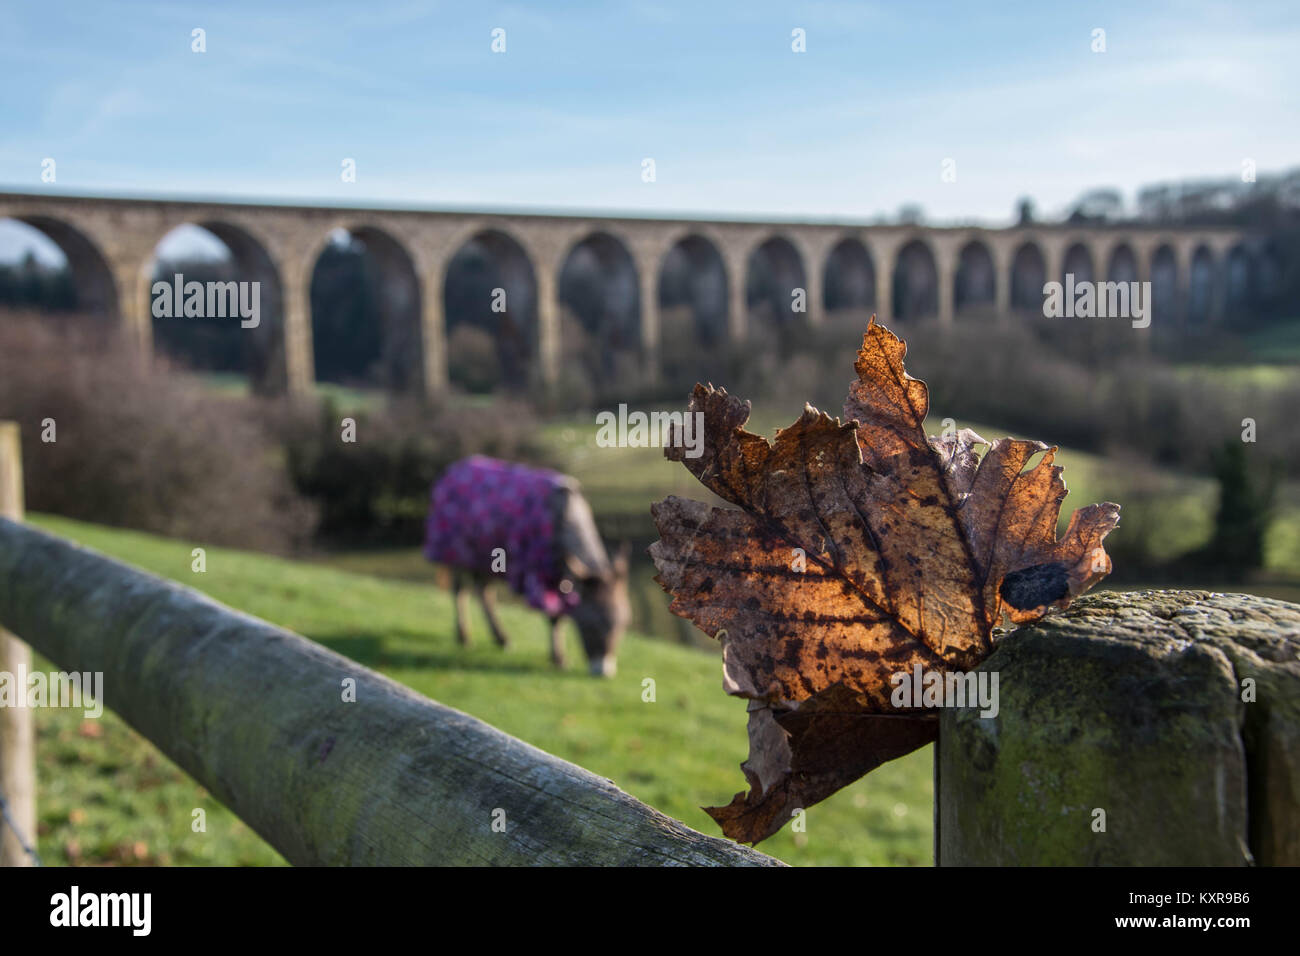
x=17, y=735
x=1146, y=728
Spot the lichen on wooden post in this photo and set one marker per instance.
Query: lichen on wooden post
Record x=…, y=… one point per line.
x=1145, y=728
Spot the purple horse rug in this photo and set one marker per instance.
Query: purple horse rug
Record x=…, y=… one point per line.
x=484, y=511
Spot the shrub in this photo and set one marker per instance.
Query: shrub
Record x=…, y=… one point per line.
x=137, y=445
x=375, y=490
x=475, y=365
x=1246, y=509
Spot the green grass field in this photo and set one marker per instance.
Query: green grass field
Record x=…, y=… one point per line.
x=107, y=796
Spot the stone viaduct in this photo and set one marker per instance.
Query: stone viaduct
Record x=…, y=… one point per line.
x=901, y=272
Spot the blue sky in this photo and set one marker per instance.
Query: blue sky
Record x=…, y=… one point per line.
x=738, y=125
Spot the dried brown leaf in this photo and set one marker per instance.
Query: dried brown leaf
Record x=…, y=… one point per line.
x=857, y=551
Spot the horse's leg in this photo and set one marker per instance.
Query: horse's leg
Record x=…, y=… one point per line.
x=489, y=611
x=462, y=607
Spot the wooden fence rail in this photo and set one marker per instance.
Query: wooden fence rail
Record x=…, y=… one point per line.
x=257, y=715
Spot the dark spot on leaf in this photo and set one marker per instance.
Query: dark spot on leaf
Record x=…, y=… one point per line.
x=1035, y=586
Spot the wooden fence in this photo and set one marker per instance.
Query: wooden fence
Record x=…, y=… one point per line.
x=1142, y=728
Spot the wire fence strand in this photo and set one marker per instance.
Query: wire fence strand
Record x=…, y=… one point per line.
x=28, y=848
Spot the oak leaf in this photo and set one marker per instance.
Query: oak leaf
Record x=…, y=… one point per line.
x=858, y=551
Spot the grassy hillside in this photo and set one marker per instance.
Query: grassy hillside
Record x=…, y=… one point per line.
x=108, y=796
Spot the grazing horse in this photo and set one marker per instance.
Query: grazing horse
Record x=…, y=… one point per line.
x=492, y=519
